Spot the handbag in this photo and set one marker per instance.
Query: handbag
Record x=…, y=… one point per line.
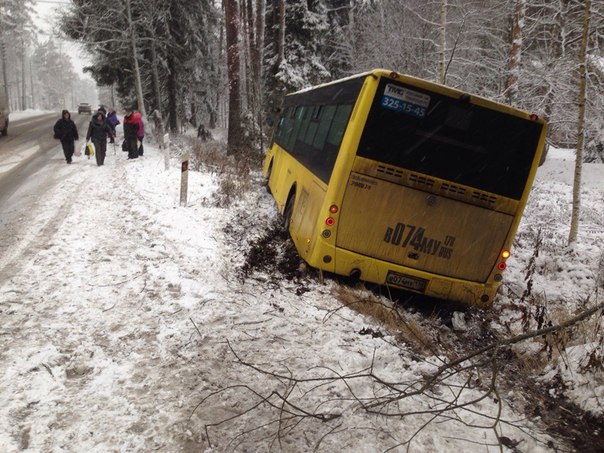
x=125, y=145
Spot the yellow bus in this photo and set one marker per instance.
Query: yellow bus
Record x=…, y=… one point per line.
x=402, y=182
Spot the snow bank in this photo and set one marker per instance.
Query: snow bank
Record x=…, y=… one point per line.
x=21, y=114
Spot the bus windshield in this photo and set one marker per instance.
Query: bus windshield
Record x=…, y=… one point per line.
x=447, y=138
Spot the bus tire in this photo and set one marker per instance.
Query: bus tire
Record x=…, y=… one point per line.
x=288, y=212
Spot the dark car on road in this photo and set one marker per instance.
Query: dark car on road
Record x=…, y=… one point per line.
x=84, y=107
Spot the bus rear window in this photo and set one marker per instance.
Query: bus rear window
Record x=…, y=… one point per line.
x=449, y=139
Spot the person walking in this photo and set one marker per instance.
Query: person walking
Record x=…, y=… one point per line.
x=98, y=131
x=140, y=134
x=158, y=126
x=113, y=122
x=66, y=131
x=131, y=126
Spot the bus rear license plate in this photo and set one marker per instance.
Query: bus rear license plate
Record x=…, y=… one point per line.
x=405, y=281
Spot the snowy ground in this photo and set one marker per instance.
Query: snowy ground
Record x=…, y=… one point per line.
x=126, y=325
x=14, y=116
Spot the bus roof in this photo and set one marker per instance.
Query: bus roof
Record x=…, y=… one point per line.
x=334, y=82
x=443, y=89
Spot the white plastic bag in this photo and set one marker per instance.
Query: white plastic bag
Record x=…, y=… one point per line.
x=89, y=148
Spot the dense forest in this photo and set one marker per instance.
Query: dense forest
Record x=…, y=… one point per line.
x=231, y=62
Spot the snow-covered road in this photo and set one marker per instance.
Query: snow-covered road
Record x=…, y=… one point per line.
x=24, y=155
x=92, y=280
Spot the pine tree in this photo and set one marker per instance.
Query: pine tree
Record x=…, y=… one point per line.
x=298, y=61
x=175, y=48
x=339, y=41
x=54, y=72
x=16, y=34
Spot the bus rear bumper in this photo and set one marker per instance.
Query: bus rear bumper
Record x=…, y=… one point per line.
x=432, y=285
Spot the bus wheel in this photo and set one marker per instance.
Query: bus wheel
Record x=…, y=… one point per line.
x=287, y=214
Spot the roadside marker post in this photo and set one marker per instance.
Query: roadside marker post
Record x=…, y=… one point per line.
x=184, y=179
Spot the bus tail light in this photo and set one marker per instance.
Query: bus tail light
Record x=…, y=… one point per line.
x=393, y=75
x=333, y=209
x=505, y=254
x=329, y=221
x=534, y=117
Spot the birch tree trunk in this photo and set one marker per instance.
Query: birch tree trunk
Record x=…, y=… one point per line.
x=258, y=48
x=576, y=210
x=511, y=84
x=233, y=60
x=443, y=43
x=257, y=57
x=23, y=80
x=216, y=112
x=280, y=31
x=247, y=18
x=31, y=85
x=4, y=73
x=155, y=74
x=137, y=72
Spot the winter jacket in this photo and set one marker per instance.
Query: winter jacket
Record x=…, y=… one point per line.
x=112, y=120
x=65, y=129
x=98, y=130
x=141, y=125
x=130, y=127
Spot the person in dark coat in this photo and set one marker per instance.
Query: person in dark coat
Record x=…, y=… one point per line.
x=140, y=134
x=131, y=125
x=98, y=131
x=66, y=131
x=203, y=133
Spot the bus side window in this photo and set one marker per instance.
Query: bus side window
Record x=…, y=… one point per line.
x=338, y=125
x=305, y=123
x=324, y=126
x=297, y=122
x=286, y=125
x=279, y=128
x=312, y=126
